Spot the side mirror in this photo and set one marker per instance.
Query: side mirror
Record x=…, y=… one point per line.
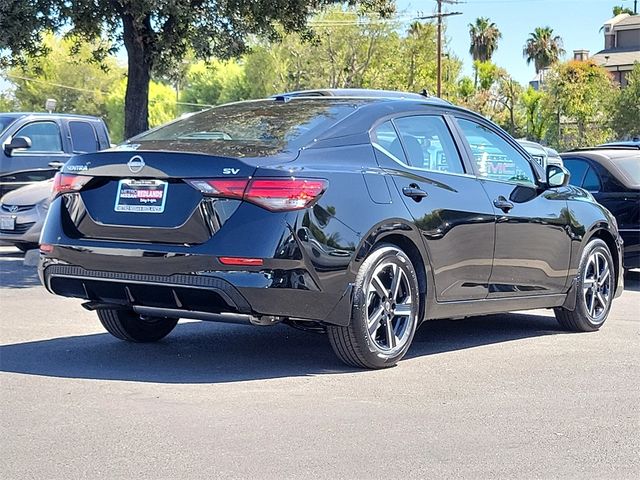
x=15, y=143
x=56, y=165
x=557, y=176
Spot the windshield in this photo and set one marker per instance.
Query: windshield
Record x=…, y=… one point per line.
x=630, y=166
x=253, y=128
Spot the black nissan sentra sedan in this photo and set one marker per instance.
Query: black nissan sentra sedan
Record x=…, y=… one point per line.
x=360, y=216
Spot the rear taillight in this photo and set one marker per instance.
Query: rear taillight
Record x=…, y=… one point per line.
x=67, y=183
x=275, y=194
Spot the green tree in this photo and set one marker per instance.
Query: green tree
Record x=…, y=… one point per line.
x=543, y=48
x=156, y=34
x=508, y=97
x=162, y=107
x=484, y=39
x=487, y=74
x=618, y=10
x=66, y=73
x=536, y=122
x=578, y=100
x=626, y=107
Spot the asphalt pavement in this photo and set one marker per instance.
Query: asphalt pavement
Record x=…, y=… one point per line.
x=502, y=396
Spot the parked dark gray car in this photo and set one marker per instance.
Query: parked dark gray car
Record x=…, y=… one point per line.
x=35, y=145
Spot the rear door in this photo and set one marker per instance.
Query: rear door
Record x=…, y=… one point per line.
x=30, y=165
x=446, y=201
x=532, y=247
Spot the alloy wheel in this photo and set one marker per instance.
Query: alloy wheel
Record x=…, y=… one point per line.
x=597, y=285
x=390, y=308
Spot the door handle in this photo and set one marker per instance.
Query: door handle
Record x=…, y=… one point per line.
x=503, y=204
x=414, y=192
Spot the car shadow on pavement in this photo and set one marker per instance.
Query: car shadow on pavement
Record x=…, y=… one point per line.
x=632, y=281
x=13, y=272
x=199, y=352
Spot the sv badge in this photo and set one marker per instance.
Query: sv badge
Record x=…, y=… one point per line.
x=230, y=171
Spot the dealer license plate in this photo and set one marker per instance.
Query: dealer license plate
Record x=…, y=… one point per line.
x=141, y=196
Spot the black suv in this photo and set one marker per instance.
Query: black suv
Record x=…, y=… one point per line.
x=35, y=145
x=362, y=216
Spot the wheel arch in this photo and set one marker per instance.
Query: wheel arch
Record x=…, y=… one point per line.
x=406, y=238
x=607, y=237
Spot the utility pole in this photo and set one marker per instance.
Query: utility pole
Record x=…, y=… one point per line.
x=439, y=16
x=635, y=7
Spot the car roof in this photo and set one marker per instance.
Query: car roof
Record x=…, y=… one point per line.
x=17, y=115
x=360, y=93
x=610, y=158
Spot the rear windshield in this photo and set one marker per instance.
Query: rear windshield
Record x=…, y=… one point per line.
x=252, y=128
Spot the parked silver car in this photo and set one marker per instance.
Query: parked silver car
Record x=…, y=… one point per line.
x=22, y=214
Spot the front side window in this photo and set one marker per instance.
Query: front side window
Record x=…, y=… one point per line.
x=428, y=143
x=577, y=170
x=495, y=158
x=45, y=137
x=591, y=181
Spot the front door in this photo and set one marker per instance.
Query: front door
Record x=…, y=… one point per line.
x=447, y=203
x=533, y=246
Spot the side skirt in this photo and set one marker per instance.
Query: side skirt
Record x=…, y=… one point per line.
x=488, y=306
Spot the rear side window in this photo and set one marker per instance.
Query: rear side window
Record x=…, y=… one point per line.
x=385, y=136
x=495, y=158
x=428, y=143
x=83, y=137
x=255, y=128
x=45, y=137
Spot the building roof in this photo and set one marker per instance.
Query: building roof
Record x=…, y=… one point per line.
x=617, y=57
x=632, y=20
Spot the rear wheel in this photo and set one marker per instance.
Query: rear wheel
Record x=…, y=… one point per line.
x=594, y=290
x=384, y=313
x=128, y=325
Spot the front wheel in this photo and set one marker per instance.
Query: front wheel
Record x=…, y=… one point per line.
x=384, y=312
x=594, y=290
x=128, y=325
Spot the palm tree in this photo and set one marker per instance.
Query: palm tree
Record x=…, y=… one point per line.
x=543, y=48
x=484, y=39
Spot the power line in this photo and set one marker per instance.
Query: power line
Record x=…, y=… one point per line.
x=439, y=16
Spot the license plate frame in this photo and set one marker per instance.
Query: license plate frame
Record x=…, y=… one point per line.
x=141, y=196
x=7, y=222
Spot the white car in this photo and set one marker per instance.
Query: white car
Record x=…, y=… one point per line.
x=544, y=156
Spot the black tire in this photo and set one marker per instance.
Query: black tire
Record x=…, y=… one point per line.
x=594, y=293
x=128, y=325
x=25, y=247
x=354, y=344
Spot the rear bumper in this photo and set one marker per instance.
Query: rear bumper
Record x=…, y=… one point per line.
x=204, y=295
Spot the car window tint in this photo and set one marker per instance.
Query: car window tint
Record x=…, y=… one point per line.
x=591, y=181
x=428, y=143
x=45, y=137
x=385, y=136
x=255, y=128
x=577, y=169
x=495, y=157
x=83, y=137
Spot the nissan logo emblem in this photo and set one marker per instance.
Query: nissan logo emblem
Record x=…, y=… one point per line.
x=136, y=164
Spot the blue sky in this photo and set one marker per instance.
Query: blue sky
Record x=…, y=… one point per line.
x=578, y=22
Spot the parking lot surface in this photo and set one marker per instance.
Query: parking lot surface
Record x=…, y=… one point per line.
x=503, y=396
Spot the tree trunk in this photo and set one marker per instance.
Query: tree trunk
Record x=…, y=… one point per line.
x=136, y=100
